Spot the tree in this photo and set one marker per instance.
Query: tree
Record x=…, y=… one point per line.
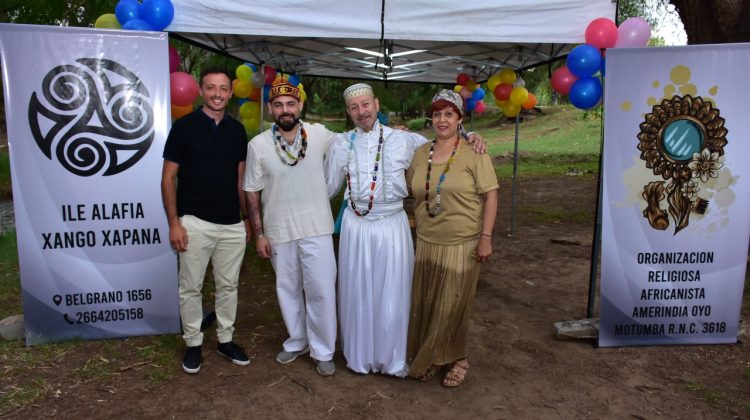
x=58, y=12
x=713, y=22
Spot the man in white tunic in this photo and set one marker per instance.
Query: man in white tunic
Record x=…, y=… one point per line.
x=286, y=164
x=376, y=255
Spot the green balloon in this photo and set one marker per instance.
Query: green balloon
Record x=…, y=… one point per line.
x=107, y=21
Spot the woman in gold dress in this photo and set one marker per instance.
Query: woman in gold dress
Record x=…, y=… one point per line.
x=455, y=190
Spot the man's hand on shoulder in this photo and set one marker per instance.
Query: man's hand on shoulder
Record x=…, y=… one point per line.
x=480, y=146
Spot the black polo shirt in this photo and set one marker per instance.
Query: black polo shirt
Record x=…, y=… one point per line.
x=208, y=155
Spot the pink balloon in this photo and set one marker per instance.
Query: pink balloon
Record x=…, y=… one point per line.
x=562, y=80
x=182, y=88
x=465, y=93
x=634, y=32
x=174, y=59
x=479, y=107
x=601, y=33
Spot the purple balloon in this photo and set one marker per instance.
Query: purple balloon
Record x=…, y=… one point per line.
x=634, y=32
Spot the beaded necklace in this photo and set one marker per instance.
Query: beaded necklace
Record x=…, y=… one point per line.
x=281, y=145
x=374, y=174
x=433, y=213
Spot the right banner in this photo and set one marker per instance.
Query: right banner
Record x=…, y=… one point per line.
x=676, y=194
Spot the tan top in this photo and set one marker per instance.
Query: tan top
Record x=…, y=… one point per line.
x=461, y=204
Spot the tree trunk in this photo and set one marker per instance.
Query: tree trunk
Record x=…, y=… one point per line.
x=716, y=21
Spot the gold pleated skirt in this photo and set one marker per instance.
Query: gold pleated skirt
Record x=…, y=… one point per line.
x=442, y=299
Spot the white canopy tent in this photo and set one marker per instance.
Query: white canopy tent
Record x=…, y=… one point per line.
x=406, y=40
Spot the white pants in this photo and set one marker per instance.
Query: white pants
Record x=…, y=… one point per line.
x=224, y=245
x=306, y=288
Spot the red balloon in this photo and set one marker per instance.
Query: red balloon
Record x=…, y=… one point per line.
x=270, y=75
x=601, y=33
x=174, y=59
x=479, y=107
x=462, y=79
x=562, y=80
x=182, y=88
x=502, y=91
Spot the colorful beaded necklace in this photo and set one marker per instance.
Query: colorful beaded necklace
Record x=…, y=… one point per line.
x=436, y=211
x=282, y=148
x=374, y=174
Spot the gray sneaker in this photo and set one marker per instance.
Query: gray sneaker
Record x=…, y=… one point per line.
x=285, y=357
x=326, y=368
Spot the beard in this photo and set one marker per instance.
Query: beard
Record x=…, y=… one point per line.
x=286, y=125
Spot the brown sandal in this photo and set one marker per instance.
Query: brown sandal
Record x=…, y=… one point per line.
x=429, y=374
x=456, y=375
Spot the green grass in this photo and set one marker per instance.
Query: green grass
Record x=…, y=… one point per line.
x=10, y=287
x=5, y=186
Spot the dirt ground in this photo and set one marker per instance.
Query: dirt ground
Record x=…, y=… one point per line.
x=518, y=369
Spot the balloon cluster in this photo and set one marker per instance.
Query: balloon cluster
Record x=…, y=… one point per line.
x=579, y=77
x=182, y=87
x=252, y=86
x=510, y=92
x=151, y=15
x=472, y=93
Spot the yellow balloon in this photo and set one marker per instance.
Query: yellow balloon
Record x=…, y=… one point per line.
x=301, y=86
x=179, y=111
x=302, y=95
x=244, y=72
x=511, y=110
x=249, y=110
x=457, y=88
x=107, y=21
x=507, y=76
x=501, y=104
x=471, y=85
x=518, y=96
x=251, y=124
x=493, y=81
x=242, y=89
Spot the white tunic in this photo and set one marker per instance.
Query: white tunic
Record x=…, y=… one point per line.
x=376, y=255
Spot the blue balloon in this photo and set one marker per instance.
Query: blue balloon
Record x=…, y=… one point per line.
x=294, y=80
x=266, y=91
x=478, y=94
x=242, y=101
x=584, y=60
x=252, y=66
x=470, y=104
x=585, y=93
x=127, y=10
x=158, y=13
x=137, y=25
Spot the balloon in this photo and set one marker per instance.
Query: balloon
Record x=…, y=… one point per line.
x=174, y=59
x=562, y=80
x=586, y=92
x=500, y=103
x=266, y=91
x=250, y=110
x=179, y=111
x=254, y=94
x=530, y=102
x=634, y=32
x=511, y=110
x=493, y=81
x=294, y=80
x=158, y=13
x=137, y=25
x=252, y=67
x=584, y=60
x=507, y=76
x=502, y=91
x=465, y=93
x=270, y=75
x=257, y=80
x=479, y=107
x=302, y=96
x=107, y=21
x=241, y=101
x=183, y=88
x=471, y=85
x=243, y=72
x=457, y=88
x=478, y=94
x=519, y=83
x=518, y=96
x=601, y=33
x=251, y=124
x=462, y=79
x=242, y=89
x=127, y=10
x=470, y=104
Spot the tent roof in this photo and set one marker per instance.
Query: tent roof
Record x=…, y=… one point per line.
x=417, y=40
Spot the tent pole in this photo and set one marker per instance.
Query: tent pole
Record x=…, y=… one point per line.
x=515, y=176
x=262, y=71
x=596, y=242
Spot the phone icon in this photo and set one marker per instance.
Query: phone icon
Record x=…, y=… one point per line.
x=68, y=319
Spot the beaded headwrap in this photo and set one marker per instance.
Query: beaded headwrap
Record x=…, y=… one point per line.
x=454, y=98
x=283, y=89
x=357, y=90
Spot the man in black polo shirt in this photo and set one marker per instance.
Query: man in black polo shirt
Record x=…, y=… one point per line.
x=205, y=153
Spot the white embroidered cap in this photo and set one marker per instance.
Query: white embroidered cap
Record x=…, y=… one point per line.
x=357, y=90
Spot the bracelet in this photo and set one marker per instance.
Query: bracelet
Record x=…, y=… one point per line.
x=484, y=234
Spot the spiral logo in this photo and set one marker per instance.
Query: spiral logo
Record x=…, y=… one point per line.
x=91, y=115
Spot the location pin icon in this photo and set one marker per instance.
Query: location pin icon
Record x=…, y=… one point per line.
x=57, y=299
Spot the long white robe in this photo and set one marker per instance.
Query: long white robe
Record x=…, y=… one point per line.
x=376, y=254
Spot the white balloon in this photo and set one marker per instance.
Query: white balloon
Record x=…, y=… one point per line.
x=519, y=83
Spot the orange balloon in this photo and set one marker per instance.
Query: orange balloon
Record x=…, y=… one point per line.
x=254, y=94
x=179, y=111
x=530, y=102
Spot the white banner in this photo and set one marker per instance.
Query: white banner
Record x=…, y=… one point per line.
x=676, y=195
x=88, y=114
